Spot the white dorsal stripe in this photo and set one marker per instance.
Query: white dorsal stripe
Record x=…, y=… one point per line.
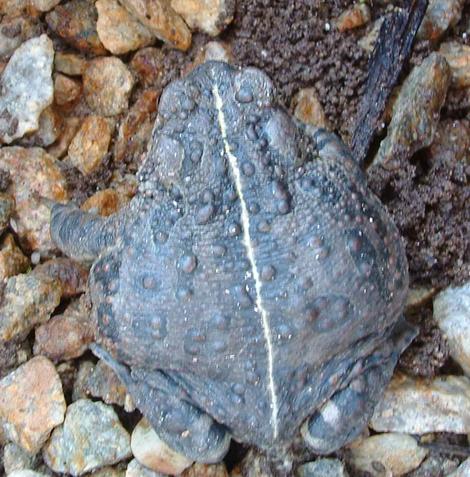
x=245, y=218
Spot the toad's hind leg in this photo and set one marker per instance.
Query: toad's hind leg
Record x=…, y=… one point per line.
x=182, y=426
x=81, y=235
x=346, y=414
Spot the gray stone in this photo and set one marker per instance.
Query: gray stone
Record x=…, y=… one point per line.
x=416, y=406
x=16, y=458
x=91, y=437
x=26, y=88
x=452, y=314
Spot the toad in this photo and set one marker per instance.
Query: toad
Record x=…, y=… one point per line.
x=254, y=287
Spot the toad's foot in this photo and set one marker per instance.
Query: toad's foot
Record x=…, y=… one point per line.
x=182, y=426
x=346, y=414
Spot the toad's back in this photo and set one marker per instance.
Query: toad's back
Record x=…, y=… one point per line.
x=254, y=274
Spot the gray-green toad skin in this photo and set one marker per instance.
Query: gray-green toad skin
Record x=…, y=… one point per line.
x=254, y=286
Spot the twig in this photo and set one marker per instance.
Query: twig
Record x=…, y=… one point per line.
x=391, y=51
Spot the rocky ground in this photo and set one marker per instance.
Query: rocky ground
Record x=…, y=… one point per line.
x=80, y=80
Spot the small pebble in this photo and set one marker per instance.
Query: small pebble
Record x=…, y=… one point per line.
x=90, y=145
x=322, y=468
x=397, y=453
x=152, y=452
x=308, y=109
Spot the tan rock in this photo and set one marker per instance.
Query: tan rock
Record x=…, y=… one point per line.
x=66, y=90
x=308, y=109
x=417, y=406
x=28, y=300
x=31, y=403
x=33, y=171
x=153, y=453
x=69, y=130
x=68, y=63
x=107, y=84
x=398, y=453
x=458, y=57
x=12, y=259
x=356, y=16
x=135, y=129
x=65, y=336
x=118, y=30
x=90, y=145
x=208, y=16
x=160, y=18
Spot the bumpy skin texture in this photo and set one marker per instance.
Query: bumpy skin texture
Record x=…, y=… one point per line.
x=254, y=281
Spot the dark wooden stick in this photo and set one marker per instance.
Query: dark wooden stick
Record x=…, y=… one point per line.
x=392, y=49
x=448, y=449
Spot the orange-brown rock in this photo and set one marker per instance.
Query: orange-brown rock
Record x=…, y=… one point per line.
x=31, y=403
